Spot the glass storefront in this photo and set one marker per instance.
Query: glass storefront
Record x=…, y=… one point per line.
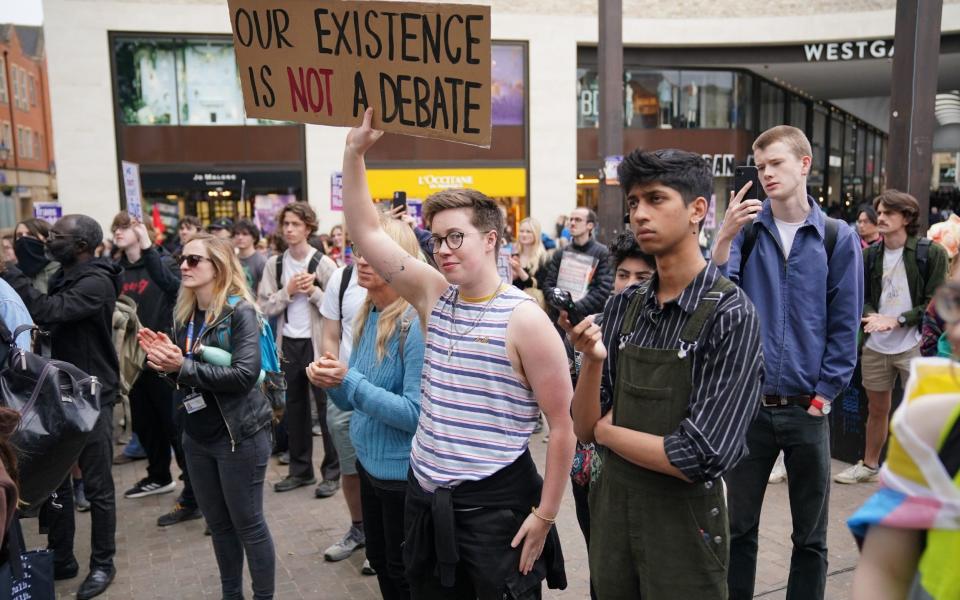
x=171, y=81
x=847, y=167
x=670, y=99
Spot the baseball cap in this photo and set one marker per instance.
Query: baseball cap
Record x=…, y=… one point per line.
x=221, y=224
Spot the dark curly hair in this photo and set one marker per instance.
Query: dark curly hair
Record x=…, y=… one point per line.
x=626, y=246
x=9, y=420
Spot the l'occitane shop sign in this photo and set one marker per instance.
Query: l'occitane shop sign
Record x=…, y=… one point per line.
x=420, y=183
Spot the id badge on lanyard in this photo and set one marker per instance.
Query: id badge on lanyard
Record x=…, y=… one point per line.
x=194, y=402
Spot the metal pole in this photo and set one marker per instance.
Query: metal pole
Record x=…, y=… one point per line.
x=912, y=97
x=610, y=63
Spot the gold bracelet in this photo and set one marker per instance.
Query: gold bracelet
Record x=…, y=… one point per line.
x=533, y=509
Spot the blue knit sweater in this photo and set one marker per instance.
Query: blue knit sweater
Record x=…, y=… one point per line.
x=385, y=399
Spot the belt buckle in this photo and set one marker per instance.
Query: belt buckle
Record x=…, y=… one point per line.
x=775, y=402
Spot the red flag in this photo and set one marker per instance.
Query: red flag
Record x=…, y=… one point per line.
x=158, y=223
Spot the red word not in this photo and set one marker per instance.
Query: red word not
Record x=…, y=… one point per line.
x=310, y=89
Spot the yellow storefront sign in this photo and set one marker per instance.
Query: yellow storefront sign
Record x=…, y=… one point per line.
x=420, y=183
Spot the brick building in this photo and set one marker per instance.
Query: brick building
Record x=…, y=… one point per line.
x=27, y=170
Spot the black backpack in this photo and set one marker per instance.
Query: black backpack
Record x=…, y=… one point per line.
x=830, y=231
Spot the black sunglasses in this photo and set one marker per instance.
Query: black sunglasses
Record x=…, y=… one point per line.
x=192, y=260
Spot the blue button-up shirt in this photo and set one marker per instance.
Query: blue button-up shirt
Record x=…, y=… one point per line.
x=809, y=313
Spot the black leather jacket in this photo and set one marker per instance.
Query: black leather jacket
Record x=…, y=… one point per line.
x=244, y=407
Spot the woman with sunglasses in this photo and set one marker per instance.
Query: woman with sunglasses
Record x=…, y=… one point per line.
x=910, y=529
x=226, y=435
x=382, y=388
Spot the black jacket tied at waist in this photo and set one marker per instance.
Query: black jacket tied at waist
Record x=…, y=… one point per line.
x=430, y=547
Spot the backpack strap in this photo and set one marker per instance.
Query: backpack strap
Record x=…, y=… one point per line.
x=705, y=308
x=279, y=270
x=923, y=255
x=344, y=284
x=314, y=262
x=830, y=232
x=749, y=241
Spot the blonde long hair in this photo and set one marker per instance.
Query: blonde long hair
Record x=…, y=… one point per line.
x=530, y=258
x=228, y=280
x=390, y=316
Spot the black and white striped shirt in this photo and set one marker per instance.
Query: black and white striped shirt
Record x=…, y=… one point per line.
x=727, y=370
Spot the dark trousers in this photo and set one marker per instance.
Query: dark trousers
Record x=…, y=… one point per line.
x=382, y=504
x=187, y=498
x=297, y=354
x=229, y=487
x=805, y=441
x=96, y=460
x=581, y=494
x=486, y=559
x=151, y=402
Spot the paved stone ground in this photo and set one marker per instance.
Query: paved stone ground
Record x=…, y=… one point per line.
x=178, y=563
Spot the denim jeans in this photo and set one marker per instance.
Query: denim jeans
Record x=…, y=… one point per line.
x=229, y=489
x=805, y=441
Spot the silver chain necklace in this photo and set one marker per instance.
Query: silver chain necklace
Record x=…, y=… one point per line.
x=453, y=316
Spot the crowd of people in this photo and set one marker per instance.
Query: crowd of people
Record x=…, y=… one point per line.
x=675, y=386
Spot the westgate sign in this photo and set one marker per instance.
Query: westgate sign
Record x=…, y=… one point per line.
x=854, y=50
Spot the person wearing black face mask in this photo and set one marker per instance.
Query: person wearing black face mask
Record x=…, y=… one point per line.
x=78, y=312
x=29, y=246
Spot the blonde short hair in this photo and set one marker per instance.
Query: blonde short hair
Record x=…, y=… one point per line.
x=792, y=137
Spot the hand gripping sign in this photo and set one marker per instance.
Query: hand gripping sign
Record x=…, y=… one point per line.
x=424, y=67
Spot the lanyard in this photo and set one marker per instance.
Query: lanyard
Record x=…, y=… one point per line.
x=191, y=341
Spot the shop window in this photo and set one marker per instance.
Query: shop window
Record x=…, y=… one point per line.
x=588, y=99
x=507, y=82
x=3, y=81
x=798, y=113
x=146, y=81
x=818, y=142
x=835, y=160
x=207, y=85
x=771, y=106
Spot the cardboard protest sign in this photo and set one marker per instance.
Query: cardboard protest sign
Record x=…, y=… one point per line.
x=424, y=67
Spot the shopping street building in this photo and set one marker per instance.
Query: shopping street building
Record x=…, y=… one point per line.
x=155, y=83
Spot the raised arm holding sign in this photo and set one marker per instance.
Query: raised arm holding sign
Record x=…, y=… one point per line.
x=424, y=67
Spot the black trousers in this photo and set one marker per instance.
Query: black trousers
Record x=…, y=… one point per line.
x=151, y=402
x=382, y=504
x=297, y=354
x=581, y=493
x=187, y=498
x=96, y=460
x=805, y=441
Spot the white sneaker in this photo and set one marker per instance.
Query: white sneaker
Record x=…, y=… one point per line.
x=352, y=541
x=779, y=472
x=858, y=473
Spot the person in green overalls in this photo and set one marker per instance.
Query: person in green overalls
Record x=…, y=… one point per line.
x=668, y=388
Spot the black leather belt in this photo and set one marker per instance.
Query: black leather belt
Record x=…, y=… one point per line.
x=770, y=401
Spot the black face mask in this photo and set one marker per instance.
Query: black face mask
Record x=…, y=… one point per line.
x=63, y=251
x=31, y=259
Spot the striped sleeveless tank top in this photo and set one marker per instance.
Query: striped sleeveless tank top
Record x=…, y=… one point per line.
x=476, y=414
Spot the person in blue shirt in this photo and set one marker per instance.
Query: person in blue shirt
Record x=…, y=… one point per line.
x=382, y=388
x=804, y=274
x=14, y=314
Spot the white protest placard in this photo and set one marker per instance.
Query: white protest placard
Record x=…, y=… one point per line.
x=132, y=190
x=576, y=273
